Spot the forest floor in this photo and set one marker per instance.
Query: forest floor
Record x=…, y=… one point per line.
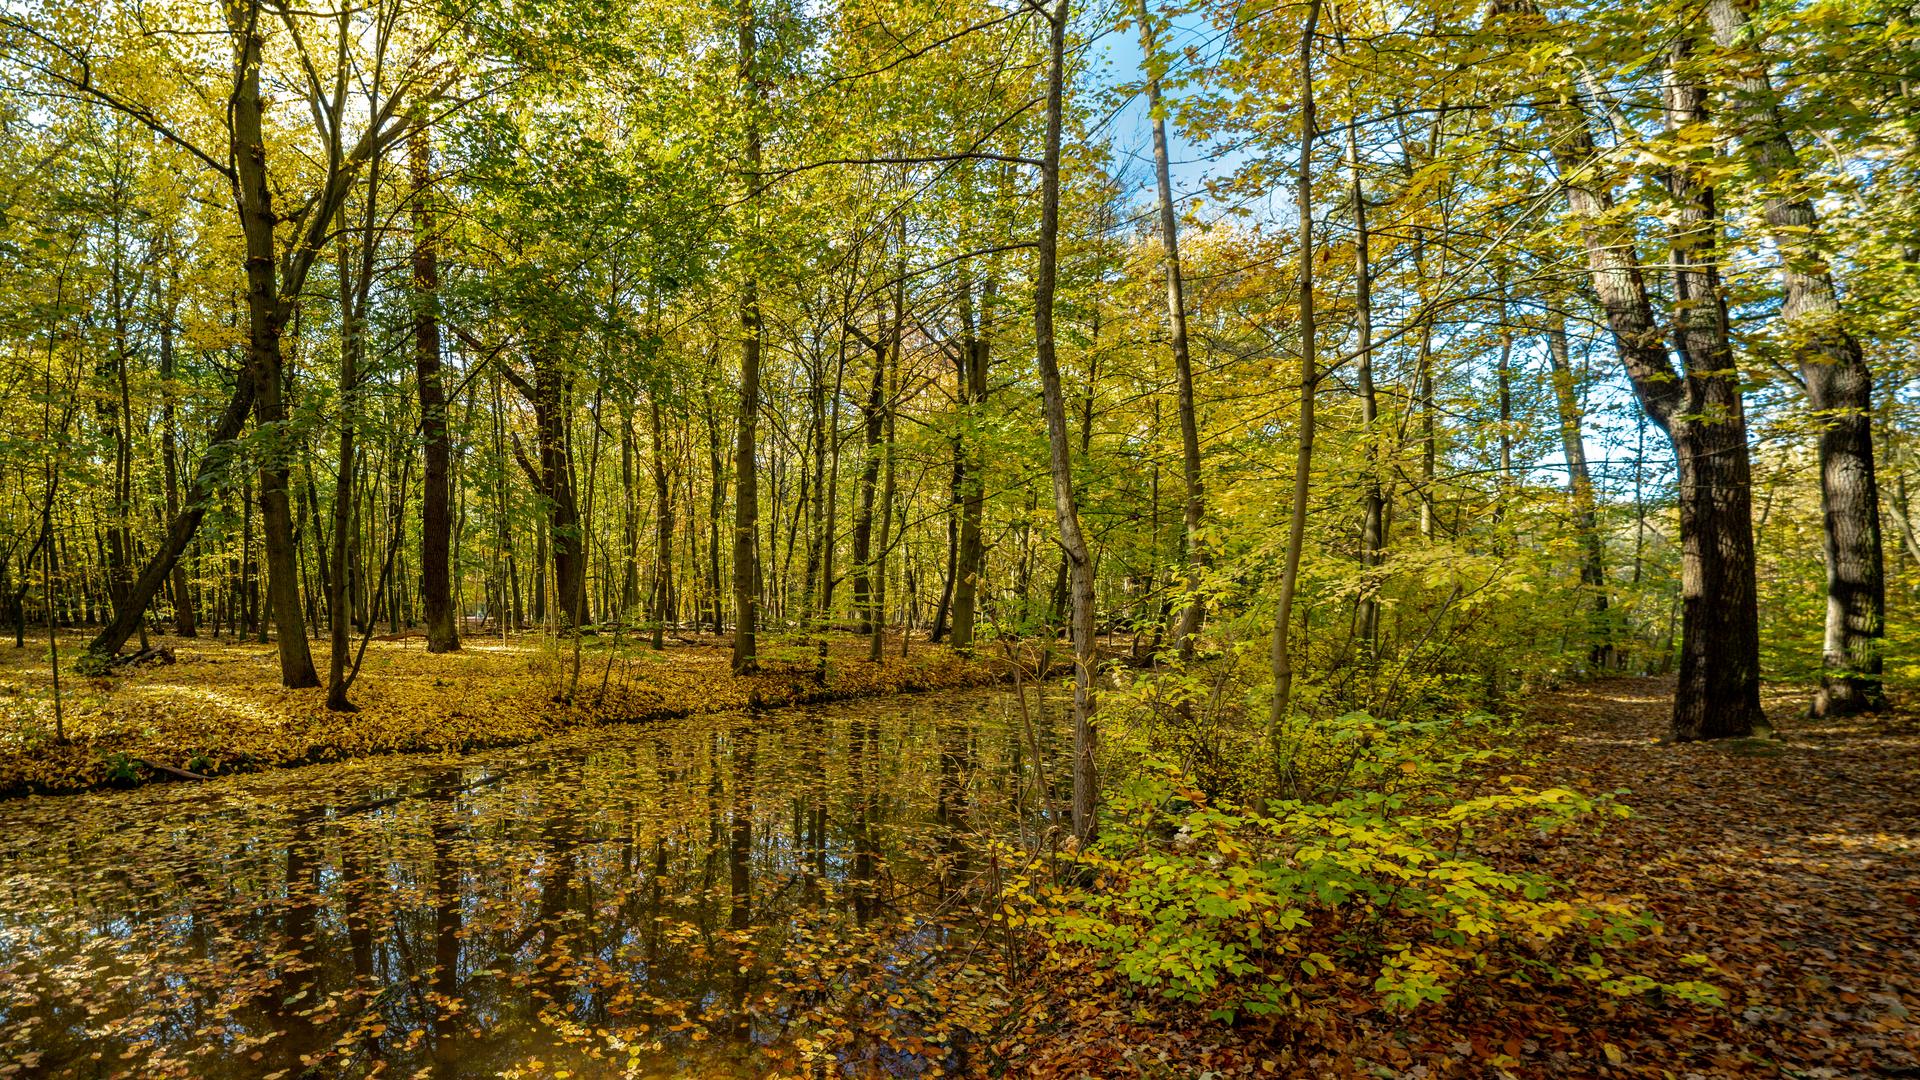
x=1793, y=863
x=218, y=706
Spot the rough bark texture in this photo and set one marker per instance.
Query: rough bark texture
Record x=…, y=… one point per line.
x=1699, y=408
x=1839, y=385
x=436, y=515
x=266, y=317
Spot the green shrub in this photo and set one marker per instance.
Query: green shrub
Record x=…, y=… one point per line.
x=1247, y=910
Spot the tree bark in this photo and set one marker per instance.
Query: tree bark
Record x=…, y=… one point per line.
x=1698, y=407
x=663, y=524
x=352, y=329
x=1073, y=542
x=746, y=495
x=1593, y=566
x=1303, y=458
x=1373, y=514
x=266, y=316
x=1193, y=556
x=1838, y=382
x=873, y=421
x=436, y=517
x=975, y=356
x=183, y=621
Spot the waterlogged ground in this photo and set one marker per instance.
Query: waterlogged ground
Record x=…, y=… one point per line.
x=721, y=894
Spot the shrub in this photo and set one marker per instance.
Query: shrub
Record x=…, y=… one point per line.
x=1240, y=909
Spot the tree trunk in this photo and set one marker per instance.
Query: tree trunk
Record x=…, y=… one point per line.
x=873, y=419
x=877, y=616
x=716, y=499
x=1193, y=557
x=969, y=551
x=266, y=315
x=1700, y=410
x=1073, y=542
x=1593, y=566
x=746, y=495
x=352, y=330
x=436, y=517
x=1838, y=382
x=1373, y=517
x=663, y=525
x=1309, y=378
x=183, y=621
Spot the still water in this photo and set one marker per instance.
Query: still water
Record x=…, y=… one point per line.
x=798, y=891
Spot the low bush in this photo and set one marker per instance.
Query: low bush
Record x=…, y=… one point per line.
x=1387, y=878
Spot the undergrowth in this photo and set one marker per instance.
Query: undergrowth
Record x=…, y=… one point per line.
x=1376, y=860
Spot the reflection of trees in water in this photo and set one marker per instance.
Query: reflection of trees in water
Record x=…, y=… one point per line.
x=424, y=914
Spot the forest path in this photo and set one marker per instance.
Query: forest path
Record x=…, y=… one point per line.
x=1793, y=863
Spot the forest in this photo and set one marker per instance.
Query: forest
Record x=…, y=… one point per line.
x=1164, y=538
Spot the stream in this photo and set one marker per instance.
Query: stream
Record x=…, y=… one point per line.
x=720, y=895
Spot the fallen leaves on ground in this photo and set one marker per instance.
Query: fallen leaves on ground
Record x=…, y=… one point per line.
x=219, y=707
x=1786, y=871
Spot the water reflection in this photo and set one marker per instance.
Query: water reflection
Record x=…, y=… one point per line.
x=726, y=892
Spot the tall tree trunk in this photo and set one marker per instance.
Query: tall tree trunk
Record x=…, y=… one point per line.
x=352, y=331
x=873, y=422
x=1698, y=407
x=716, y=499
x=975, y=356
x=1586, y=517
x=1309, y=378
x=1193, y=557
x=1373, y=517
x=1716, y=524
x=663, y=524
x=1073, y=541
x=183, y=621
x=746, y=494
x=266, y=315
x=1838, y=382
x=877, y=617
x=436, y=516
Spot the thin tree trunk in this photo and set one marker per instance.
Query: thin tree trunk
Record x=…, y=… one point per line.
x=877, y=616
x=1073, y=542
x=183, y=621
x=1373, y=518
x=746, y=496
x=352, y=330
x=1193, y=557
x=975, y=355
x=1593, y=566
x=1309, y=377
x=663, y=524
